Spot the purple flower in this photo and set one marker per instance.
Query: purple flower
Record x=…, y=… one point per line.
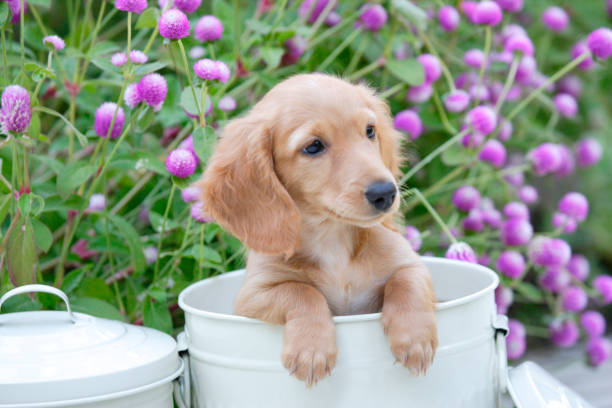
x=420, y=93
x=150, y=254
x=484, y=260
x=488, y=13
x=526, y=69
x=555, y=18
x=466, y=198
x=296, y=46
x=528, y=194
x=574, y=205
x=511, y=5
x=573, y=299
x=600, y=43
x=181, y=163
x=511, y=264
x=564, y=334
x=480, y=92
x=546, y=158
x=505, y=130
x=469, y=9
x=135, y=6
x=603, y=284
x=567, y=224
x=568, y=164
x=138, y=57
x=516, y=209
x=473, y=139
x=104, y=117
x=227, y=103
x=578, y=266
x=132, y=97
x=118, y=59
x=332, y=19
x=483, y=119
x=208, y=28
x=599, y=350
x=503, y=299
x=515, y=340
x=566, y=105
x=577, y=50
x=593, y=323
x=493, y=152
x=448, y=17
x=555, y=280
x=317, y=9
x=549, y=252
x=414, y=237
x=186, y=6
x=474, y=220
x=153, y=89
x=588, y=152
x=223, y=71
x=492, y=217
x=456, y=101
x=572, y=85
x=198, y=213
x=206, y=69
x=173, y=24
x=432, y=67
x=56, y=42
x=516, y=232
x=97, y=202
x=15, y=7
x=373, y=16
x=461, y=251
x=191, y=194
x=519, y=43
x=474, y=58
x=197, y=52
x=408, y=121
x=16, y=113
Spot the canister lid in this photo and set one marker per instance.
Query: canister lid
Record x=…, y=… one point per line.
x=51, y=356
x=532, y=387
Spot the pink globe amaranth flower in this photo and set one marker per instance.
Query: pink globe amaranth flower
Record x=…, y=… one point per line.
x=488, y=13
x=414, y=237
x=505, y=130
x=515, y=340
x=503, y=56
x=519, y=43
x=555, y=18
x=296, y=46
x=515, y=179
x=191, y=194
x=599, y=350
x=603, y=284
x=516, y=209
x=566, y=105
x=574, y=205
x=448, y=17
x=208, y=28
x=567, y=224
x=570, y=84
x=150, y=254
x=227, y=103
x=332, y=19
x=456, y=101
x=187, y=144
x=469, y=9
x=473, y=139
x=408, y=121
x=153, y=89
x=526, y=69
x=528, y=194
x=484, y=260
x=573, y=299
x=373, y=16
x=503, y=299
x=197, y=52
x=508, y=31
x=206, y=69
x=511, y=263
x=474, y=58
x=461, y=251
x=512, y=6
x=480, y=92
x=578, y=267
x=577, y=50
x=493, y=152
x=15, y=113
x=15, y=7
x=198, y=213
x=432, y=67
x=564, y=334
x=588, y=152
x=483, y=119
x=492, y=217
x=474, y=220
x=135, y=6
x=223, y=71
x=568, y=164
x=546, y=158
x=181, y=163
x=173, y=24
x=132, y=97
x=315, y=11
x=600, y=43
x=466, y=198
x=118, y=59
x=516, y=232
x=555, y=280
x=104, y=117
x=56, y=42
x=593, y=323
x=420, y=93
x=138, y=57
x=466, y=79
x=186, y=6
x=97, y=202
x=549, y=252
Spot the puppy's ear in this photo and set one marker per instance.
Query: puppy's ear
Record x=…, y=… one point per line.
x=241, y=191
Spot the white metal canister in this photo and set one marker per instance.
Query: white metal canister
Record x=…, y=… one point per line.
x=65, y=359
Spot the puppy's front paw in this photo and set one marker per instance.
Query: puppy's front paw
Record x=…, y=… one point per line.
x=309, y=349
x=413, y=337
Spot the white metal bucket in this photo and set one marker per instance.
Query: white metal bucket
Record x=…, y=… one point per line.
x=235, y=361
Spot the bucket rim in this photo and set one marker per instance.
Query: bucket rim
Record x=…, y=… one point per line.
x=428, y=260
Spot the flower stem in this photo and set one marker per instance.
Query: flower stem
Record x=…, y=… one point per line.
x=432, y=49
x=39, y=84
x=93, y=41
x=447, y=125
x=392, y=91
x=487, y=50
x=367, y=69
x=338, y=50
x=162, y=230
x=201, y=260
x=508, y=84
x=4, y=60
x=188, y=72
x=203, y=110
x=22, y=31
x=433, y=213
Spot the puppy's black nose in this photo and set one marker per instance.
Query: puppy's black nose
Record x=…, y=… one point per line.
x=381, y=194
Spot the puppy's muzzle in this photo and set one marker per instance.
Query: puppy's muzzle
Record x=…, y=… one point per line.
x=381, y=194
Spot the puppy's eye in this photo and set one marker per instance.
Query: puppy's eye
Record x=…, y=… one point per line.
x=314, y=148
x=370, y=132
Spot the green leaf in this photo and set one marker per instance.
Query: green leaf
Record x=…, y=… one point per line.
x=73, y=279
x=157, y=316
x=34, y=129
x=204, y=253
x=455, y=155
x=104, y=48
x=414, y=14
x=145, y=119
x=42, y=235
x=96, y=307
x=5, y=205
x=529, y=291
x=21, y=253
x=21, y=303
x=41, y=3
x=81, y=137
x=105, y=65
x=73, y=175
x=132, y=239
x=148, y=68
x=4, y=13
x=95, y=288
x=258, y=26
x=57, y=203
x=148, y=18
x=272, y=55
x=204, y=140
x=156, y=222
x=409, y=71
x=149, y=161
x=189, y=104
x=55, y=165
x=181, y=183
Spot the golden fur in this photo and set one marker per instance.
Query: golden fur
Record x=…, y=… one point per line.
x=317, y=247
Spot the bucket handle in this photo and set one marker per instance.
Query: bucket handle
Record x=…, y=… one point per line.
x=38, y=288
x=182, y=384
x=500, y=325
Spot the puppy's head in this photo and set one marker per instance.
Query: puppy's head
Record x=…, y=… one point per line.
x=315, y=146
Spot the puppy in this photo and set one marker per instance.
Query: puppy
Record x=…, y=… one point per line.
x=307, y=181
